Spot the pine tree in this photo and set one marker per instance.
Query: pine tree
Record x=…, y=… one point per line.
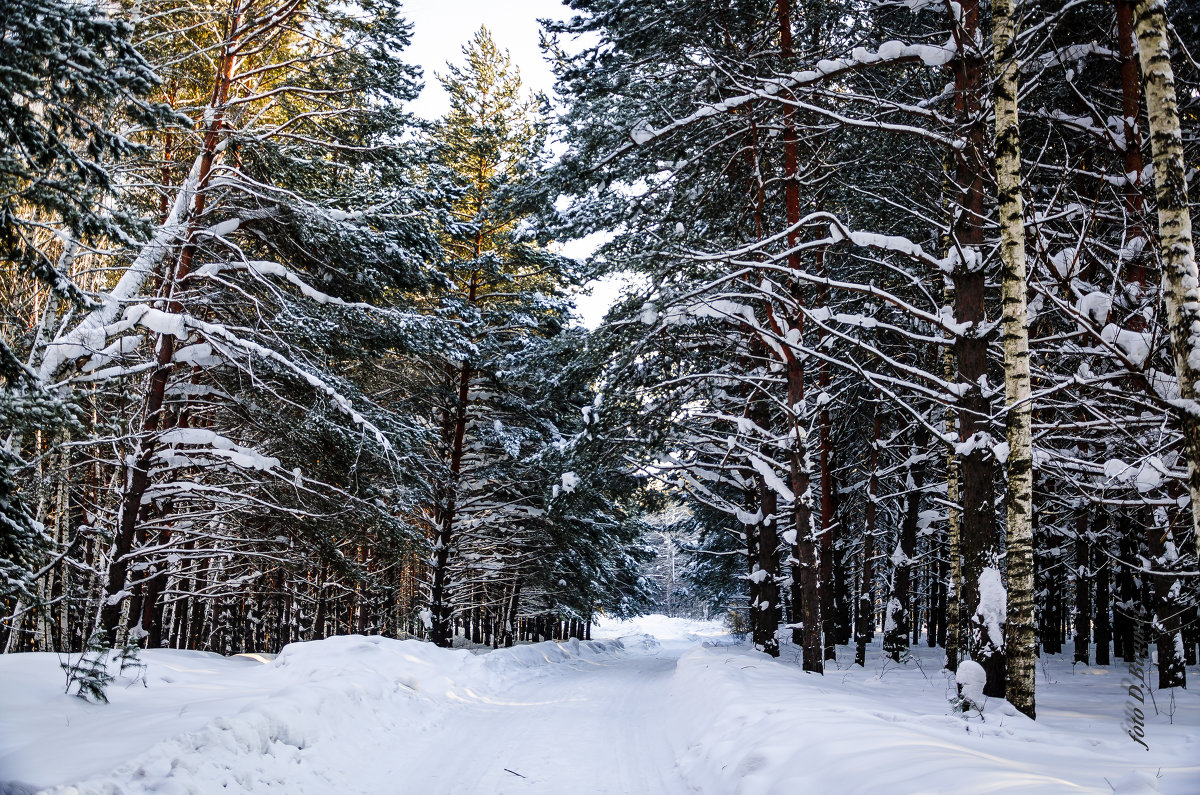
x=674, y=133
x=70, y=71
x=70, y=68
x=244, y=363
x=503, y=289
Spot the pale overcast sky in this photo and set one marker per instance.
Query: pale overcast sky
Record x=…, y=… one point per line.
x=442, y=27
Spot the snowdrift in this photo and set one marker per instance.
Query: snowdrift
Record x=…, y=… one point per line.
x=764, y=727
x=299, y=724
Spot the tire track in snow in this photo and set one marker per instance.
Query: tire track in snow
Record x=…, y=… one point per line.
x=586, y=727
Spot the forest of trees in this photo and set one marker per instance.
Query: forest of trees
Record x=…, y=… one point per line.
x=918, y=311
x=282, y=361
x=910, y=346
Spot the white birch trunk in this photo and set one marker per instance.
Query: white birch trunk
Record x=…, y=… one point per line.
x=1180, y=281
x=1020, y=649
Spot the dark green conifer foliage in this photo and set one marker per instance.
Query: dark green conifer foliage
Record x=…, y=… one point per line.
x=67, y=73
x=89, y=674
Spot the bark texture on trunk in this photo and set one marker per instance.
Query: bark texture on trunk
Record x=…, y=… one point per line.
x=440, y=608
x=806, y=586
x=978, y=530
x=754, y=588
x=864, y=627
x=1180, y=279
x=1166, y=623
x=1020, y=644
x=1131, y=110
x=829, y=531
x=954, y=639
x=900, y=611
x=1083, y=592
x=767, y=609
x=1102, y=624
x=137, y=478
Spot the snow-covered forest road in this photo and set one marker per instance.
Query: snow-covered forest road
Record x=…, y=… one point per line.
x=584, y=726
x=687, y=714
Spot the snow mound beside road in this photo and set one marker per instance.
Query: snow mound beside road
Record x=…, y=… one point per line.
x=744, y=723
x=315, y=717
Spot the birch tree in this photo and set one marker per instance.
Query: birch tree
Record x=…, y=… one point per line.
x=1182, y=284
x=1020, y=649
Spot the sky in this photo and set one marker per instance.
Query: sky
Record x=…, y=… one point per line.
x=442, y=27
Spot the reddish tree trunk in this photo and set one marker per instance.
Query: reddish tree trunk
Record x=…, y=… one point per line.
x=806, y=589
x=138, y=479
x=979, y=532
x=1131, y=108
x=439, y=592
x=829, y=590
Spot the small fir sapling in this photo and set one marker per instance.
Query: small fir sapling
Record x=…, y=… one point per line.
x=129, y=656
x=89, y=674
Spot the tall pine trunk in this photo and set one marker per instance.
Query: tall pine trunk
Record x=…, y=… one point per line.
x=864, y=627
x=1166, y=611
x=806, y=583
x=978, y=532
x=806, y=586
x=768, y=544
x=1131, y=109
x=765, y=619
x=828, y=570
x=137, y=478
x=440, y=605
x=1100, y=609
x=750, y=531
x=900, y=613
x=1083, y=591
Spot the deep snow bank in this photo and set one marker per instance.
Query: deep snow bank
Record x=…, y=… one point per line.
x=303, y=723
x=748, y=725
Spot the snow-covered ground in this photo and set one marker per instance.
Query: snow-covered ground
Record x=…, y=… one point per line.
x=663, y=628
x=684, y=713
x=766, y=727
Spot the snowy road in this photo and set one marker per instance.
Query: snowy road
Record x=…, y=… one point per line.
x=584, y=726
x=353, y=715
x=374, y=716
